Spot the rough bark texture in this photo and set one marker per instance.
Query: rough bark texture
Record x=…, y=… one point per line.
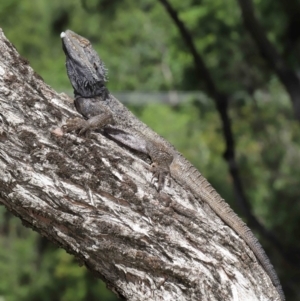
x=94, y=199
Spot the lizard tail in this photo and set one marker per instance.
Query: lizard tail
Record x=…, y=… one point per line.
x=183, y=171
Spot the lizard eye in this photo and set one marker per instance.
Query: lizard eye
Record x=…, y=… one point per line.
x=84, y=42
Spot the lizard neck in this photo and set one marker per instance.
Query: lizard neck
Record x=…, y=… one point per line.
x=102, y=93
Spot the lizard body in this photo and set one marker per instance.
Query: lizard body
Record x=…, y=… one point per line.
x=101, y=110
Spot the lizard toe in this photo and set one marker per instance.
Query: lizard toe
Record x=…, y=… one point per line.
x=159, y=175
x=75, y=124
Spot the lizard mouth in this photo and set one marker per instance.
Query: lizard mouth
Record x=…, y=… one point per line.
x=65, y=44
x=63, y=35
x=65, y=49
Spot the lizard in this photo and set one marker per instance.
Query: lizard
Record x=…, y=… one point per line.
x=101, y=110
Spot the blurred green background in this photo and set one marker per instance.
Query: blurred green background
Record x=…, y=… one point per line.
x=147, y=58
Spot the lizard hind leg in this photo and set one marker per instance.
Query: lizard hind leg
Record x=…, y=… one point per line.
x=159, y=175
x=160, y=166
x=135, y=140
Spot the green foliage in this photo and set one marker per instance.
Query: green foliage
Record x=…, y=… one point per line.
x=31, y=269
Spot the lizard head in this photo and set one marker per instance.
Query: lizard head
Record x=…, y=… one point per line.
x=85, y=69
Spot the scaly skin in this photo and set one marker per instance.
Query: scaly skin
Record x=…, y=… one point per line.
x=101, y=110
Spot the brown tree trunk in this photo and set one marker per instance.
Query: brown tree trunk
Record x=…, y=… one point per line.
x=95, y=199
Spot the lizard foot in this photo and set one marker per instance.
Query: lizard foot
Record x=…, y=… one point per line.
x=77, y=124
x=159, y=175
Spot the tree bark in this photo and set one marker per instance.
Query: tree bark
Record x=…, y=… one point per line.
x=95, y=199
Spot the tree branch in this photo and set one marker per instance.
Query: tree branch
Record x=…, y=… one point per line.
x=94, y=199
x=287, y=76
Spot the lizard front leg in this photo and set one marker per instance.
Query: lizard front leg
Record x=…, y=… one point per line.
x=84, y=126
x=96, y=116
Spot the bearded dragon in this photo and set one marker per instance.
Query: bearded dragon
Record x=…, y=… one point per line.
x=101, y=110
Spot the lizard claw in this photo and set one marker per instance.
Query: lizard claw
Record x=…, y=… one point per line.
x=159, y=175
x=75, y=124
